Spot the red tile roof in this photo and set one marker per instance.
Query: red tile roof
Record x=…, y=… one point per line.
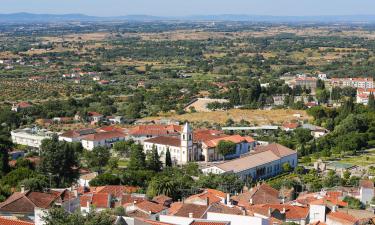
x=290, y=125
x=161, y=199
x=25, y=202
x=23, y=105
x=128, y=199
x=342, y=217
x=5, y=221
x=183, y=210
x=366, y=184
x=99, y=200
x=94, y=114
x=152, y=207
x=165, y=140
x=206, y=135
x=277, y=149
x=103, y=136
x=115, y=190
x=260, y=194
x=233, y=138
x=291, y=212
x=155, y=130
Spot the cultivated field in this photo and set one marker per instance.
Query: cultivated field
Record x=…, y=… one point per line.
x=256, y=117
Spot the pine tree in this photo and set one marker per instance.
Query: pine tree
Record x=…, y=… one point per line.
x=168, y=159
x=153, y=160
x=4, y=161
x=137, y=158
x=371, y=102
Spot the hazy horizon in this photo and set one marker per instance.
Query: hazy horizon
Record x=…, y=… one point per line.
x=192, y=7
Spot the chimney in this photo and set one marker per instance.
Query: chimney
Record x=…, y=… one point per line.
x=283, y=211
x=228, y=199
x=22, y=188
x=251, y=201
x=191, y=215
x=207, y=201
x=88, y=204
x=244, y=212
x=269, y=212
x=334, y=208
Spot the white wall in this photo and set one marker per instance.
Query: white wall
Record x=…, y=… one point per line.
x=317, y=213
x=39, y=215
x=366, y=195
x=237, y=219
x=176, y=220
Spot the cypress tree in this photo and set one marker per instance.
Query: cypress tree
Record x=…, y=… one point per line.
x=153, y=160
x=168, y=159
x=371, y=102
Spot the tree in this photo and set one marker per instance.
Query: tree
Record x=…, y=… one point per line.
x=58, y=216
x=353, y=203
x=14, y=177
x=105, y=179
x=162, y=185
x=302, y=135
x=371, y=102
x=123, y=147
x=168, y=159
x=4, y=160
x=38, y=183
x=59, y=161
x=153, y=160
x=137, y=158
x=286, y=167
x=98, y=158
x=226, y=147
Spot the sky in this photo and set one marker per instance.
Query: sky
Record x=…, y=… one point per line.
x=192, y=7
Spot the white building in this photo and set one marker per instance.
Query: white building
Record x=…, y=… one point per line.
x=366, y=191
x=101, y=139
x=265, y=161
x=31, y=137
x=75, y=135
x=366, y=82
x=182, y=149
x=363, y=95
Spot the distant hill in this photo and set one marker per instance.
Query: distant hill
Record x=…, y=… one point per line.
x=30, y=17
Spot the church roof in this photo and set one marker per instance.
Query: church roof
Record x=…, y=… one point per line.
x=165, y=140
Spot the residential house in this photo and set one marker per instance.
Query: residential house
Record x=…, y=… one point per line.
x=260, y=194
x=31, y=137
x=363, y=95
x=278, y=100
x=360, y=82
x=151, y=209
x=75, y=135
x=283, y=213
x=96, y=201
x=115, y=119
x=207, y=197
x=264, y=162
x=308, y=82
x=316, y=131
x=101, y=139
x=84, y=180
x=14, y=221
x=21, y=106
x=289, y=126
x=366, y=191
x=341, y=218
x=95, y=117
x=163, y=200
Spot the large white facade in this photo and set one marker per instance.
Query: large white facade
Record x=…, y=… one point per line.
x=31, y=137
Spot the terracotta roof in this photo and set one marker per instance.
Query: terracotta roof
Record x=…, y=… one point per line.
x=165, y=140
x=342, y=217
x=24, y=105
x=138, y=214
x=206, y=135
x=183, y=209
x=25, y=202
x=277, y=149
x=261, y=194
x=110, y=128
x=233, y=138
x=208, y=223
x=306, y=78
x=5, y=221
x=291, y=212
x=224, y=209
x=251, y=160
x=99, y=200
x=150, y=206
x=127, y=199
x=151, y=222
x=94, y=114
x=103, y=136
x=77, y=133
x=291, y=125
x=161, y=199
x=115, y=190
x=155, y=130
x=216, y=192
x=366, y=184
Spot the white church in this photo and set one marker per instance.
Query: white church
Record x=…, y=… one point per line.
x=182, y=149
